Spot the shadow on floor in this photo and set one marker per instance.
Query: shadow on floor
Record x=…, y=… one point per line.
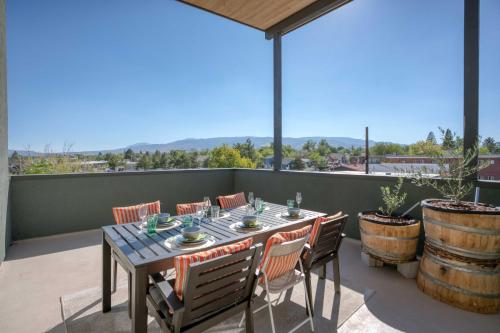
x=53, y=244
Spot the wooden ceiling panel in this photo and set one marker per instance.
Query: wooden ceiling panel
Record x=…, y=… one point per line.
x=260, y=14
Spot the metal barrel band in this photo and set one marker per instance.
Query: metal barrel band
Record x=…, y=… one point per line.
x=462, y=252
x=455, y=288
x=382, y=255
x=487, y=232
x=461, y=268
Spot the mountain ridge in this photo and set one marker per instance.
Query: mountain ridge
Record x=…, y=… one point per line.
x=210, y=143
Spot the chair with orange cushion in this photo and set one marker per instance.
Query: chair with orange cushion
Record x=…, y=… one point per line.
x=124, y=215
x=232, y=200
x=323, y=247
x=209, y=287
x=188, y=208
x=277, y=268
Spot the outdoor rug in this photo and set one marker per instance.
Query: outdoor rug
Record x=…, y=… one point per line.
x=82, y=310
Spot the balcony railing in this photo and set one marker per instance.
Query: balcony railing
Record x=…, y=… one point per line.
x=43, y=205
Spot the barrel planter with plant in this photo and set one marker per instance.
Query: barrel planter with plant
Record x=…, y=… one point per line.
x=386, y=236
x=461, y=260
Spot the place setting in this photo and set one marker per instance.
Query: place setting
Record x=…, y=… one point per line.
x=191, y=237
x=293, y=211
x=250, y=221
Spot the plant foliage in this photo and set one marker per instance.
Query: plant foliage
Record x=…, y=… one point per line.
x=392, y=197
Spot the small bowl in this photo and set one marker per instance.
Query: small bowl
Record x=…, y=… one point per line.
x=163, y=217
x=191, y=233
x=294, y=211
x=249, y=220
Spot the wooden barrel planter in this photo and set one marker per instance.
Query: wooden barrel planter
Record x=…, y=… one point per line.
x=472, y=285
x=461, y=261
x=466, y=233
x=392, y=239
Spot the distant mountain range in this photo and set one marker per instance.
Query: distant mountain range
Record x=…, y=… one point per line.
x=210, y=143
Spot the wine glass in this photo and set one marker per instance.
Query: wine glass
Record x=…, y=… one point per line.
x=251, y=199
x=298, y=198
x=206, y=205
x=142, y=212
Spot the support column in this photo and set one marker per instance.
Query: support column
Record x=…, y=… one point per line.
x=278, y=135
x=471, y=76
x=4, y=164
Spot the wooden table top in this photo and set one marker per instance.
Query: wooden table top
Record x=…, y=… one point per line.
x=141, y=248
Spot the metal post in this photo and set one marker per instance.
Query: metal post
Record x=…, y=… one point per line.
x=471, y=77
x=277, y=101
x=367, y=152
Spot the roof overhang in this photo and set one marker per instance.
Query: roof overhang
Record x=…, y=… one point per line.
x=271, y=16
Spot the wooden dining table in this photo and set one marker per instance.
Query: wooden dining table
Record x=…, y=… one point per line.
x=142, y=253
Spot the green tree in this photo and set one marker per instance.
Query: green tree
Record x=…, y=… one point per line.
x=227, y=157
x=382, y=148
x=297, y=164
x=144, y=162
x=114, y=161
x=288, y=151
x=266, y=151
x=490, y=144
x=156, y=160
x=448, y=139
x=318, y=161
x=425, y=148
x=431, y=138
x=181, y=159
x=309, y=146
x=129, y=154
x=324, y=148
x=247, y=149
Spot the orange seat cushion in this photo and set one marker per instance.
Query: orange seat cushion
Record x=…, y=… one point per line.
x=131, y=213
x=181, y=263
x=277, y=266
x=187, y=208
x=317, y=223
x=232, y=201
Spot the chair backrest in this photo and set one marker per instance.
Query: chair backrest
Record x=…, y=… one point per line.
x=232, y=201
x=282, y=258
x=130, y=214
x=187, y=208
x=218, y=284
x=328, y=237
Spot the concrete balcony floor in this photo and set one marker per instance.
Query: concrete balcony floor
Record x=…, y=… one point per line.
x=38, y=272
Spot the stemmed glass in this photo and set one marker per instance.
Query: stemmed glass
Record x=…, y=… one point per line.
x=206, y=206
x=251, y=199
x=298, y=198
x=142, y=212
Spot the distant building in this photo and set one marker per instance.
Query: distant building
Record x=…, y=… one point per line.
x=492, y=172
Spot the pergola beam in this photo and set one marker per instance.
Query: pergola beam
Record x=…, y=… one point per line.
x=471, y=78
x=305, y=15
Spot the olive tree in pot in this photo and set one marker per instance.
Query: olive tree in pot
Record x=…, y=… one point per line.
x=461, y=260
x=386, y=235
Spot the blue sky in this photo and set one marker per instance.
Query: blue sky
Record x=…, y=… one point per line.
x=106, y=74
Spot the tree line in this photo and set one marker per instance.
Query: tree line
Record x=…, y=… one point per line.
x=314, y=155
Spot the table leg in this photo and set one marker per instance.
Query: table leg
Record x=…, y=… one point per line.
x=106, y=275
x=139, y=309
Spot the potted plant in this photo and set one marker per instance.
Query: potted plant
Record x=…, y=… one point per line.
x=386, y=235
x=461, y=260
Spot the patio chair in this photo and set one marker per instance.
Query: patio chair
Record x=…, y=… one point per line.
x=323, y=246
x=278, y=273
x=187, y=208
x=124, y=215
x=213, y=291
x=232, y=200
